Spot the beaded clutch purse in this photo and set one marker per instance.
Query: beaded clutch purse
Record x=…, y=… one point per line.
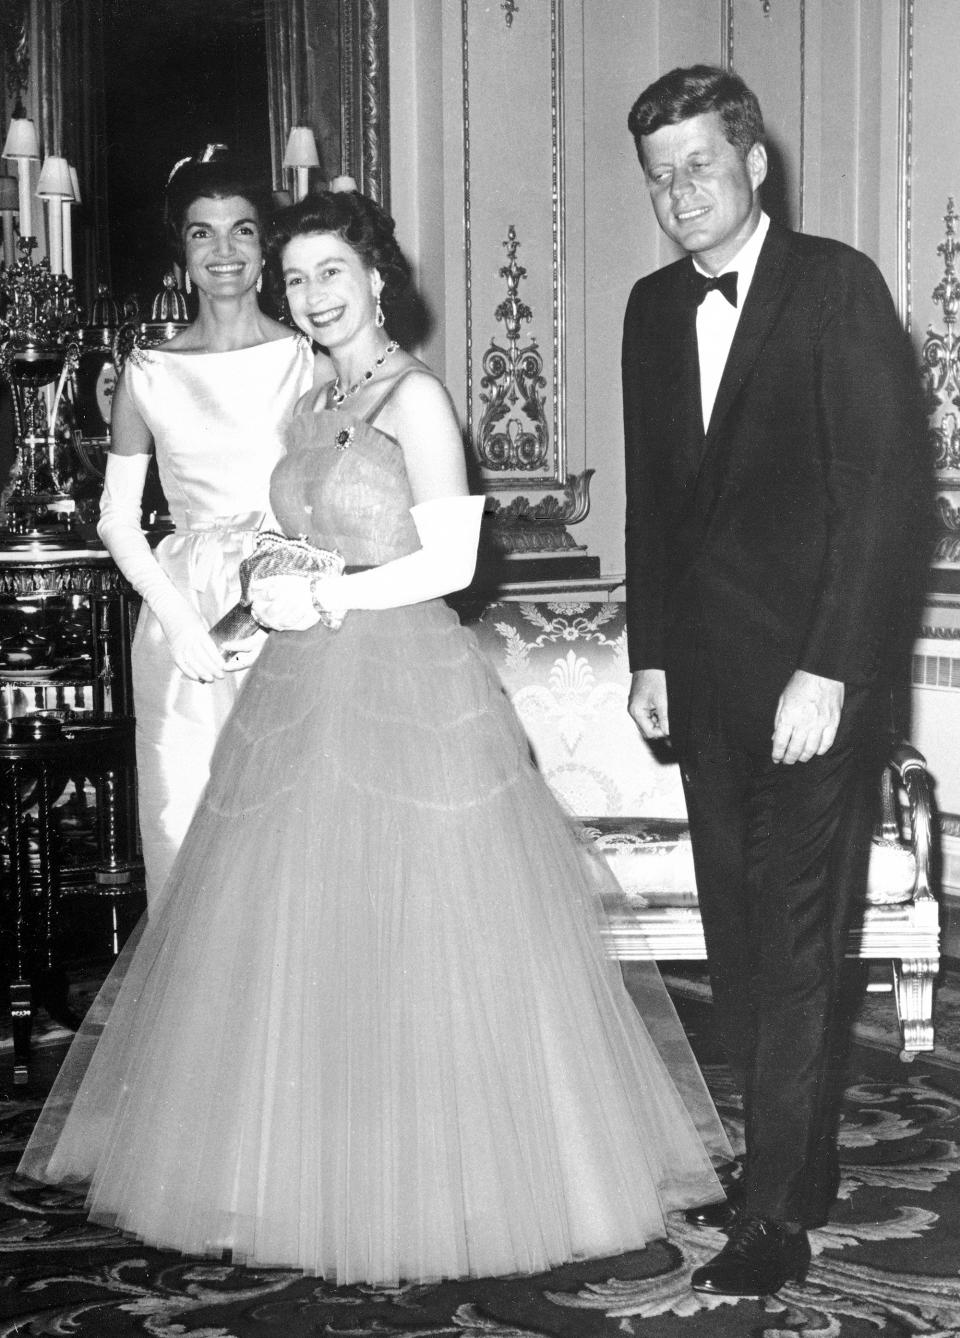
x=275, y=555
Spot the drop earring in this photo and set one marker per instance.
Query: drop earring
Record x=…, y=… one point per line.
x=379, y=318
x=260, y=282
x=187, y=285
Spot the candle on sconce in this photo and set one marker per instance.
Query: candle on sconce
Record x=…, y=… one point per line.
x=22, y=145
x=67, y=213
x=301, y=154
x=65, y=207
x=55, y=186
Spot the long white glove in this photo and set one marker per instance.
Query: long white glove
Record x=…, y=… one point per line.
x=190, y=645
x=449, y=531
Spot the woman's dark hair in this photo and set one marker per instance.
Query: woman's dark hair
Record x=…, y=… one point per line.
x=693, y=91
x=356, y=218
x=212, y=178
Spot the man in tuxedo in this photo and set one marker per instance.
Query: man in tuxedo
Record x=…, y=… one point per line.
x=773, y=437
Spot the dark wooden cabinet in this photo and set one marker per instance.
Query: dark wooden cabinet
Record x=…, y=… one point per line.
x=69, y=848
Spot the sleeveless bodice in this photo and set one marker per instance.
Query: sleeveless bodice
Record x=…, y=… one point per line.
x=343, y=484
x=217, y=421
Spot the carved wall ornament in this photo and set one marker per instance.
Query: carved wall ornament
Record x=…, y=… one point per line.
x=931, y=632
x=540, y=527
x=509, y=7
x=905, y=101
x=940, y=360
x=940, y=354
x=513, y=432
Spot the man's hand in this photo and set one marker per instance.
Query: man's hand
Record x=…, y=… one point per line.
x=808, y=714
x=647, y=703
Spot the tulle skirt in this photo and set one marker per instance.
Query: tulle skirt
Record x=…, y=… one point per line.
x=369, y=1030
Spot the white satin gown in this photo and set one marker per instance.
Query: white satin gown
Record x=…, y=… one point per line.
x=218, y=421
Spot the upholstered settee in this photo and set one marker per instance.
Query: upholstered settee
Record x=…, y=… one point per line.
x=564, y=666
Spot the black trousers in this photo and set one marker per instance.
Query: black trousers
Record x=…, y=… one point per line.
x=781, y=855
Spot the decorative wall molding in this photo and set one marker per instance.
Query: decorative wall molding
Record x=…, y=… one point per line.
x=552, y=463
x=940, y=360
x=928, y=633
x=540, y=527
x=512, y=380
x=905, y=164
x=364, y=114
x=726, y=33
x=802, y=174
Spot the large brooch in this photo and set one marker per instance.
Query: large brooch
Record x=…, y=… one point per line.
x=343, y=438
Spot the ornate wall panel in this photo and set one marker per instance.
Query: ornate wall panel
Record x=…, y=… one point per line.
x=514, y=239
x=934, y=263
x=857, y=97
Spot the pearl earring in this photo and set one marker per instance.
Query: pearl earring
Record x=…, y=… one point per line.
x=188, y=286
x=379, y=318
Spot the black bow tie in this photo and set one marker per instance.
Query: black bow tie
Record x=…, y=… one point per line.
x=723, y=283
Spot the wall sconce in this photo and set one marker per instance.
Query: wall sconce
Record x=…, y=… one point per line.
x=22, y=144
x=9, y=204
x=301, y=154
x=55, y=186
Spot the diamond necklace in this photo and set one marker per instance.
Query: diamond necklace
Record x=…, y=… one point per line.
x=338, y=394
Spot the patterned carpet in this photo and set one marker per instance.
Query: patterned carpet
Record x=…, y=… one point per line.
x=886, y=1264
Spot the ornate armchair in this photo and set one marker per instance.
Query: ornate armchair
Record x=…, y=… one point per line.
x=564, y=666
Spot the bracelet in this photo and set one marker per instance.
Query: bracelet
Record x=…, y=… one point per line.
x=320, y=608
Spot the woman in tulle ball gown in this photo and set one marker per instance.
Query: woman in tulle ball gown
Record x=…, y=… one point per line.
x=370, y=1031
x=213, y=402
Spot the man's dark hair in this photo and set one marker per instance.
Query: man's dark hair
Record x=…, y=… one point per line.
x=693, y=91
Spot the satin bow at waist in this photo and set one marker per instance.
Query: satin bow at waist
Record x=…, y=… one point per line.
x=210, y=536
x=241, y=521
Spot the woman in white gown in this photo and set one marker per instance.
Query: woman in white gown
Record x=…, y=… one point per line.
x=214, y=403
x=370, y=1030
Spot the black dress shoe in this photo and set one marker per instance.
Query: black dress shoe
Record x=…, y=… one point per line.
x=721, y=1216
x=760, y=1256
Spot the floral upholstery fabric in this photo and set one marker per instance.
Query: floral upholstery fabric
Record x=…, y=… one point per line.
x=564, y=667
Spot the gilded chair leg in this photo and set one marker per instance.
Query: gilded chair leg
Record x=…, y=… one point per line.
x=913, y=983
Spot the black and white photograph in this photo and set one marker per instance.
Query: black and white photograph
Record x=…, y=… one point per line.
x=479, y=668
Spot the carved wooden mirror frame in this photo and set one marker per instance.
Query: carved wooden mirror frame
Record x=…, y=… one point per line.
x=327, y=68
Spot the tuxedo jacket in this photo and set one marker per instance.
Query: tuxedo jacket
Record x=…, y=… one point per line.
x=776, y=539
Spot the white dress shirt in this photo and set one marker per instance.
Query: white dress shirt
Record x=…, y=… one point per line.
x=717, y=319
